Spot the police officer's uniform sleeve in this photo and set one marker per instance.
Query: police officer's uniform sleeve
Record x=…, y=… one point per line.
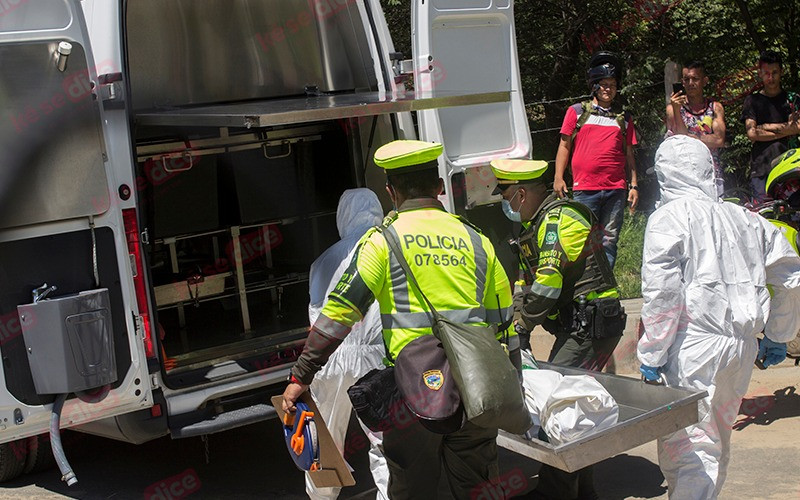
x=346, y=305
x=561, y=237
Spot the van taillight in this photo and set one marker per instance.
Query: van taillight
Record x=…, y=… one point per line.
x=137, y=266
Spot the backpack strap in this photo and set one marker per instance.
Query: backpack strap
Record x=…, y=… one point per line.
x=586, y=112
x=623, y=130
x=587, y=109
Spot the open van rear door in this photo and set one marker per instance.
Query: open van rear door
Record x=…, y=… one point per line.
x=61, y=232
x=470, y=46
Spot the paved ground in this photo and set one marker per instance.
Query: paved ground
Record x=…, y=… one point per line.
x=251, y=462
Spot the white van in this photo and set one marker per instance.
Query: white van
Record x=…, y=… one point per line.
x=171, y=168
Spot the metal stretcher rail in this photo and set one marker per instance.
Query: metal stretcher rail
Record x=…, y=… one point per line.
x=646, y=412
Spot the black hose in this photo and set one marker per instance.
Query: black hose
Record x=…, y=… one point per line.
x=55, y=442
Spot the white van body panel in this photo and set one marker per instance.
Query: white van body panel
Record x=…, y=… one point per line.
x=52, y=21
x=470, y=47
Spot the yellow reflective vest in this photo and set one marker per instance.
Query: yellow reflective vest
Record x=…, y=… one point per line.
x=454, y=264
x=561, y=236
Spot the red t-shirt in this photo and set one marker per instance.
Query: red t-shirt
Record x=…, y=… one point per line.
x=597, y=158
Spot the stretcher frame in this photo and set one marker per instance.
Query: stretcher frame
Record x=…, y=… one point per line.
x=646, y=412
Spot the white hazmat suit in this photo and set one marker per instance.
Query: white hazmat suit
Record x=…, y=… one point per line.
x=361, y=351
x=706, y=267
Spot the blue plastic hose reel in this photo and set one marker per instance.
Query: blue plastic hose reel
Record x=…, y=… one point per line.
x=300, y=433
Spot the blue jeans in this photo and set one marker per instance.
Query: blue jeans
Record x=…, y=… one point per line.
x=608, y=205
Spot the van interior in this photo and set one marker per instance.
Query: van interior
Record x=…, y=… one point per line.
x=242, y=155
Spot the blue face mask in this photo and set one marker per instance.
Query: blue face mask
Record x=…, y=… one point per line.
x=509, y=212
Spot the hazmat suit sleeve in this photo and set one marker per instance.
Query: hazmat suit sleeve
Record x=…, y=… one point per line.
x=561, y=238
x=662, y=287
x=347, y=304
x=783, y=275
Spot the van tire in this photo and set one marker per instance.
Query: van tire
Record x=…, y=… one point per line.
x=40, y=454
x=12, y=459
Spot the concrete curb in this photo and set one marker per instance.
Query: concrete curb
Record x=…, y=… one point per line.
x=623, y=361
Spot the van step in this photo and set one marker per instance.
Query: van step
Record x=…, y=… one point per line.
x=226, y=421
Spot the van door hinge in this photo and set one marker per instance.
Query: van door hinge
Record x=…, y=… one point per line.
x=110, y=86
x=145, y=237
x=403, y=70
x=406, y=67
x=425, y=63
x=110, y=91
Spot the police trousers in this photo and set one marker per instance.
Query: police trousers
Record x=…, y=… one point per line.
x=416, y=457
x=589, y=354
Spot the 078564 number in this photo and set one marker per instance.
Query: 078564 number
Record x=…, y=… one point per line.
x=426, y=259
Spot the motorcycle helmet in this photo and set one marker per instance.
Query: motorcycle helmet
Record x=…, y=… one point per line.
x=603, y=64
x=785, y=170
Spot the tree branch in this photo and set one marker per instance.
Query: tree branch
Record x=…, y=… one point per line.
x=748, y=21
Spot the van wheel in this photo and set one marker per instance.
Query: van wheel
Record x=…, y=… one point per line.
x=12, y=459
x=40, y=454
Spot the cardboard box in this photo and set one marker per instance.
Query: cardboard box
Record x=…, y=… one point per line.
x=334, y=471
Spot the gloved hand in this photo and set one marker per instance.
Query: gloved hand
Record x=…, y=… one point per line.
x=650, y=373
x=771, y=353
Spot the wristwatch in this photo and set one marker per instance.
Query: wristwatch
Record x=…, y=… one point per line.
x=631, y=186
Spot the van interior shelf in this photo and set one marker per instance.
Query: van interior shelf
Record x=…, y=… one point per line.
x=276, y=222
x=170, y=302
x=314, y=108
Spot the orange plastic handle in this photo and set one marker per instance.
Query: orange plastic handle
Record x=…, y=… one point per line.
x=298, y=441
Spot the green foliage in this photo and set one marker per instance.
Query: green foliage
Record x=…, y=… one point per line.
x=628, y=267
x=555, y=39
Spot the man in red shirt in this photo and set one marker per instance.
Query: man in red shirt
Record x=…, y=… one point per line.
x=600, y=137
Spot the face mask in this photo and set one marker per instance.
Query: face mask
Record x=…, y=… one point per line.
x=509, y=212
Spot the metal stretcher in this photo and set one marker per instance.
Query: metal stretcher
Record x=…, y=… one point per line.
x=646, y=412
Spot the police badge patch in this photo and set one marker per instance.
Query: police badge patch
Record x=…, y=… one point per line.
x=550, y=237
x=433, y=379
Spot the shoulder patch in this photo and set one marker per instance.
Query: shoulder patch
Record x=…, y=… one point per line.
x=554, y=214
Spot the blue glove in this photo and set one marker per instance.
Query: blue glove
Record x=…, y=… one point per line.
x=771, y=353
x=650, y=374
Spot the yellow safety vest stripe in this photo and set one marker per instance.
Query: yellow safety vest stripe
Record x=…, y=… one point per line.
x=558, y=249
x=454, y=264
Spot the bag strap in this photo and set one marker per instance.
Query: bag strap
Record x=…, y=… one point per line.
x=587, y=108
x=394, y=247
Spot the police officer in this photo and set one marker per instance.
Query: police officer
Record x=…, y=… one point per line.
x=456, y=267
x=566, y=286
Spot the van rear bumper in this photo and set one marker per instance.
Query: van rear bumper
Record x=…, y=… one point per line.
x=224, y=405
x=224, y=421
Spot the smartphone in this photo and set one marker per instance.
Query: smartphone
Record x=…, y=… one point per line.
x=678, y=87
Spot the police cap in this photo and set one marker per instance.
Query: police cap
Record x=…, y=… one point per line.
x=400, y=157
x=510, y=172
